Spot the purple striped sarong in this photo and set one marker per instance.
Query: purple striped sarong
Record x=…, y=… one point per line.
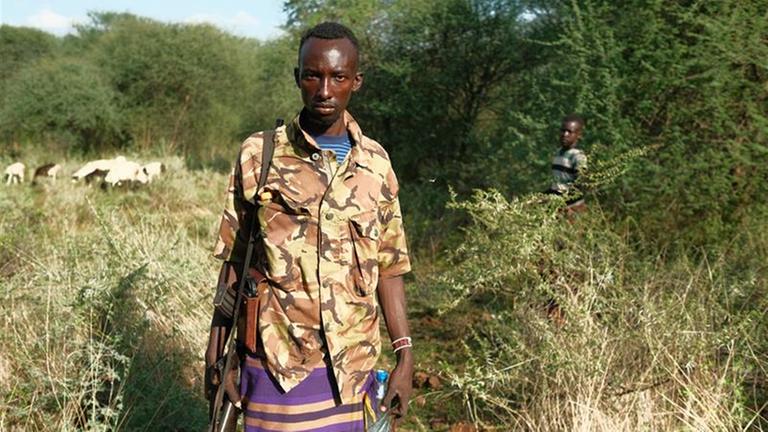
x=310, y=406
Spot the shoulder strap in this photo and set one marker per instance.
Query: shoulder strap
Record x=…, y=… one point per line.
x=267, y=151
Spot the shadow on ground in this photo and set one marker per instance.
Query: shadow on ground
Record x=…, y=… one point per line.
x=162, y=389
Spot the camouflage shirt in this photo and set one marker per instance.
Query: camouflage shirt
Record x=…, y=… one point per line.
x=330, y=231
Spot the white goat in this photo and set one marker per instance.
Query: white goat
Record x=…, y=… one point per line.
x=153, y=169
x=15, y=173
x=125, y=172
x=98, y=168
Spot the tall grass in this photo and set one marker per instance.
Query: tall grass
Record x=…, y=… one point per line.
x=105, y=303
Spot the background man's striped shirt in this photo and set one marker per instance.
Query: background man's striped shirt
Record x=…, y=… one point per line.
x=566, y=166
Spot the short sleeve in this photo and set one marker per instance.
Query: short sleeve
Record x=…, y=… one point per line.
x=237, y=217
x=230, y=222
x=393, y=250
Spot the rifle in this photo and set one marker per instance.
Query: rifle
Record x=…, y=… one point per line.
x=224, y=413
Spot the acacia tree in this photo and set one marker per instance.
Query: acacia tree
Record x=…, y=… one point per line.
x=65, y=101
x=682, y=80
x=20, y=46
x=178, y=83
x=435, y=71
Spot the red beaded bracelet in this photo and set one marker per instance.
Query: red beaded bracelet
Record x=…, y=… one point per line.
x=401, y=343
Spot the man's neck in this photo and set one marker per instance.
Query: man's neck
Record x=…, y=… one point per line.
x=315, y=128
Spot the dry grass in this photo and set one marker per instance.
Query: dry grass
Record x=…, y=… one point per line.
x=638, y=343
x=105, y=302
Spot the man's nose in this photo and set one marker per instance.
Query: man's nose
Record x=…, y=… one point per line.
x=325, y=88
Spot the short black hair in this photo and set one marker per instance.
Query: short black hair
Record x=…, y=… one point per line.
x=575, y=118
x=329, y=30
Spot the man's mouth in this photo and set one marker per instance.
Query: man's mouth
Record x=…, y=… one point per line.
x=325, y=109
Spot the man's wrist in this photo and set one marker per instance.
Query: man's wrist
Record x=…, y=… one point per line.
x=405, y=355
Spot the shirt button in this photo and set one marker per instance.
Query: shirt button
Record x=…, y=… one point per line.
x=315, y=156
x=329, y=216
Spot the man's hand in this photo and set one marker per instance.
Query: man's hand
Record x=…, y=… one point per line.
x=392, y=301
x=400, y=386
x=212, y=381
x=231, y=387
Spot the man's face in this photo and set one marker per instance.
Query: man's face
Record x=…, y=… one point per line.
x=327, y=76
x=570, y=132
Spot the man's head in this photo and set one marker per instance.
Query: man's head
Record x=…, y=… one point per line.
x=327, y=73
x=570, y=130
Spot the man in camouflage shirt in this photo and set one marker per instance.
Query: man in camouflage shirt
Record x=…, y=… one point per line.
x=333, y=244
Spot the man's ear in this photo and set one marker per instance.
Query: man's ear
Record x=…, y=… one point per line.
x=358, y=82
x=296, y=76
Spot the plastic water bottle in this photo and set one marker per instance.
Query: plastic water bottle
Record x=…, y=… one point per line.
x=381, y=385
x=384, y=422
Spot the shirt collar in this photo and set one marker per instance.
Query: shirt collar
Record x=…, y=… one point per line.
x=294, y=133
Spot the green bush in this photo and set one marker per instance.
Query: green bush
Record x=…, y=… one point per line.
x=62, y=100
x=581, y=331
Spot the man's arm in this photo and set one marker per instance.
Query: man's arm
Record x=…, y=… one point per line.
x=229, y=247
x=391, y=293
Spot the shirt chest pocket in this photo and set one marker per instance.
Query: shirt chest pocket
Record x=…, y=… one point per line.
x=283, y=218
x=284, y=223
x=365, y=231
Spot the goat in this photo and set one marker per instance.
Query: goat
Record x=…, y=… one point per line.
x=96, y=169
x=15, y=173
x=125, y=172
x=48, y=170
x=153, y=169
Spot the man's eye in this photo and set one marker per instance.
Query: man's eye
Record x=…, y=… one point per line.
x=340, y=78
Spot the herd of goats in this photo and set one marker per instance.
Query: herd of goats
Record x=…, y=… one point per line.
x=111, y=172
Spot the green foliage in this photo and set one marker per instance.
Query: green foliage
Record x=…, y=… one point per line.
x=172, y=81
x=470, y=94
x=20, y=46
x=64, y=99
x=580, y=331
x=359, y=15
x=436, y=81
x=273, y=90
x=164, y=88
x=662, y=74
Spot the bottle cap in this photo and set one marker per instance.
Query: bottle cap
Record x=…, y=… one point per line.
x=382, y=375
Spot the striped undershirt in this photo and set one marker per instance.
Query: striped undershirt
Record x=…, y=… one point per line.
x=339, y=144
